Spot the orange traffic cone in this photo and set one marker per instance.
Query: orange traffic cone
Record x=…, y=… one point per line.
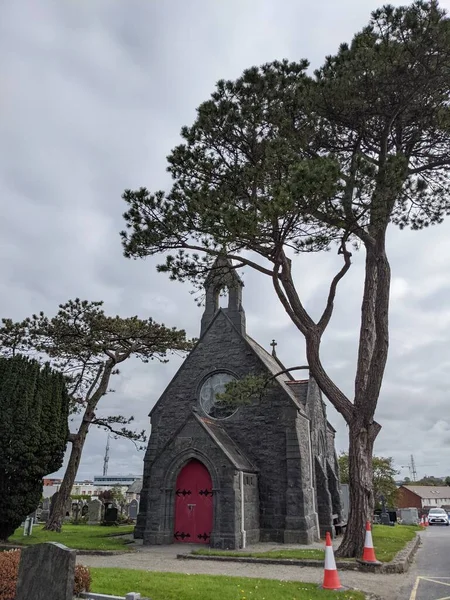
x=426, y=521
x=330, y=575
x=369, y=551
x=422, y=522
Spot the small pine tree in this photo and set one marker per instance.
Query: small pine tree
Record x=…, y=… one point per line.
x=34, y=405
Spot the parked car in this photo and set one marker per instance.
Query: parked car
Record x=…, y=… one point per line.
x=438, y=516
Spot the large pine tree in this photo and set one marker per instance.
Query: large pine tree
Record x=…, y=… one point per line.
x=34, y=408
x=280, y=162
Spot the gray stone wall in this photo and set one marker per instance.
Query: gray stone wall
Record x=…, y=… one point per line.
x=334, y=489
x=301, y=518
x=324, y=505
x=251, y=508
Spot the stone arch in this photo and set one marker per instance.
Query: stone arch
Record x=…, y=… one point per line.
x=181, y=459
x=168, y=490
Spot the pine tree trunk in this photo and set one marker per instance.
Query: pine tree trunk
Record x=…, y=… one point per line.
x=57, y=515
x=362, y=504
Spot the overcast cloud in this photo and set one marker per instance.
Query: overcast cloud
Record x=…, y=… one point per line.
x=93, y=98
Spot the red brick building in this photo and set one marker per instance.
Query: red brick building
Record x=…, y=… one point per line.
x=423, y=496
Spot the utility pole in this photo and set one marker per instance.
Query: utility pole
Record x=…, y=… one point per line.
x=106, y=459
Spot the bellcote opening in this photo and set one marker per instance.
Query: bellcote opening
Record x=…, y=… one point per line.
x=223, y=288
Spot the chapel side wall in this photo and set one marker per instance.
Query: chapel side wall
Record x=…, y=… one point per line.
x=301, y=517
x=334, y=484
x=320, y=440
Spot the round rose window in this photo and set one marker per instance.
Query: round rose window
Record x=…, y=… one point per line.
x=215, y=384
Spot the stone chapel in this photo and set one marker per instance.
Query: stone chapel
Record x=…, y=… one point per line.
x=232, y=476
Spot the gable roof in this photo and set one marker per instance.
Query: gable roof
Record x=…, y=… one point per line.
x=226, y=444
x=429, y=491
x=135, y=487
x=274, y=367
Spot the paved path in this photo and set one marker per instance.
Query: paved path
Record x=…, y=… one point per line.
x=163, y=558
x=429, y=578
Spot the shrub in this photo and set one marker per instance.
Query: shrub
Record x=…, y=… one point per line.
x=125, y=520
x=82, y=580
x=9, y=570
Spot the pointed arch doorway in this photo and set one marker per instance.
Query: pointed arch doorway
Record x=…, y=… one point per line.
x=193, y=504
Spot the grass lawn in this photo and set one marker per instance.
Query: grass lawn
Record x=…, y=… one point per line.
x=390, y=540
x=178, y=586
x=387, y=541
x=80, y=537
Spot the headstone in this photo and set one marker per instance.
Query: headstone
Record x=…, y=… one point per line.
x=28, y=526
x=45, y=514
x=111, y=514
x=409, y=516
x=95, y=508
x=385, y=519
x=46, y=504
x=46, y=571
x=85, y=510
x=133, y=509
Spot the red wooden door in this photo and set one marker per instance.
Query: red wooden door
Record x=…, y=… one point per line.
x=193, y=504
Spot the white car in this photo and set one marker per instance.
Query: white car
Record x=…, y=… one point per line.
x=438, y=516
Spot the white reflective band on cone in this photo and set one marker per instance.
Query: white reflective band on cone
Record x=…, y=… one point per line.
x=368, y=543
x=330, y=563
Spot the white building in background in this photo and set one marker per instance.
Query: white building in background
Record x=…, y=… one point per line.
x=107, y=482
x=83, y=488
x=100, y=484
x=80, y=488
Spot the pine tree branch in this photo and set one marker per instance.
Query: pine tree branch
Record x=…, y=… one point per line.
x=327, y=313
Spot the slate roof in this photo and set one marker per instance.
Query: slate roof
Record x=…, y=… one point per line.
x=429, y=491
x=274, y=367
x=226, y=444
x=135, y=487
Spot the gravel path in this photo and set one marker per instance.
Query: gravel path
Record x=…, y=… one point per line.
x=163, y=558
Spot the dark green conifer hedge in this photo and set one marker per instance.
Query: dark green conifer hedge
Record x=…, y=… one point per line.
x=34, y=408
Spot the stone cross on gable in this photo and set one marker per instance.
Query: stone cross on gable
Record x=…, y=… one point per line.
x=273, y=344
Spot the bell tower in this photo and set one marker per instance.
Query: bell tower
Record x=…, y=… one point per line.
x=223, y=276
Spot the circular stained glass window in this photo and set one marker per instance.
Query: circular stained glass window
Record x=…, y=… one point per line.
x=215, y=384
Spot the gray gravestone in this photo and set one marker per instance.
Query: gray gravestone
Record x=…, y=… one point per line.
x=95, y=511
x=46, y=571
x=45, y=515
x=133, y=509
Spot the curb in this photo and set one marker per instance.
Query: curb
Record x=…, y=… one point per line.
x=345, y=566
x=78, y=552
x=400, y=564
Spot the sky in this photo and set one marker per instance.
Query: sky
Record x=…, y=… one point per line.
x=94, y=95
